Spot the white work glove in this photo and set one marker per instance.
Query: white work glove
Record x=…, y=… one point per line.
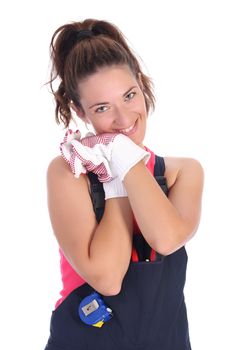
x=83, y=158
x=120, y=151
x=109, y=155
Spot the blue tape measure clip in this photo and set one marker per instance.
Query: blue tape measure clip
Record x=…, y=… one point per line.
x=93, y=311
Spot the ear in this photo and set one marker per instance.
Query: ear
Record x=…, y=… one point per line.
x=79, y=111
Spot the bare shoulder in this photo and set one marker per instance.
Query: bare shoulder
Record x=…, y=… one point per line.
x=64, y=187
x=174, y=165
x=59, y=170
x=57, y=166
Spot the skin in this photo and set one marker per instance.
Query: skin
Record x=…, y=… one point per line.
x=124, y=102
x=167, y=223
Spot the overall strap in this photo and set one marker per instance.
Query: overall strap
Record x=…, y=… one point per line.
x=159, y=170
x=97, y=191
x=97, y=195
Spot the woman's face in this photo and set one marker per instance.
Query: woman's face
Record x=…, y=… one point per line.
x=113, y=101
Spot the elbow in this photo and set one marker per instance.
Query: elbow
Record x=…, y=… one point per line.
x=111, y=283
x=166, y=245
x=175, y=243
x=108, y=287
x=167, y=250
x=111, y=292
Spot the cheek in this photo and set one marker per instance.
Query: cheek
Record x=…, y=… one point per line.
x=140, y=104
x=102, y=125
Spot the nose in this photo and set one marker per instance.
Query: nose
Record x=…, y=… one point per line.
x=122, y=117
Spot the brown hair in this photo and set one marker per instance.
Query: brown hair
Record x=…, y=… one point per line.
x=74, y=57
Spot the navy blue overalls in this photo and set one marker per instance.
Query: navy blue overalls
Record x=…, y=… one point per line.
x=149, y=313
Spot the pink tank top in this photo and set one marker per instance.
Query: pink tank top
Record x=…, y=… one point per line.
x=70, y=279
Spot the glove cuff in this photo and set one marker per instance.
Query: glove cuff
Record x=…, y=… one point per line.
x=126, y=154
x=114, y=188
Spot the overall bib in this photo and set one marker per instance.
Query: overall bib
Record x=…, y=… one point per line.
x=149, y=313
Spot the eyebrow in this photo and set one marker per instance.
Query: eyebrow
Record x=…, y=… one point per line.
x=103, y=103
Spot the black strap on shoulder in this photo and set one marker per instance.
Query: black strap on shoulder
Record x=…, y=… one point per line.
x=97, y=191
x=159, y=170
x=97, y=196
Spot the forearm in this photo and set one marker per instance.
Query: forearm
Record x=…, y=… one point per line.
x=158, y=220
x=111, y=246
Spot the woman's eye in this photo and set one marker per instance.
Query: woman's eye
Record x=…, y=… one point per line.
x=101, y=109
x=130, y=95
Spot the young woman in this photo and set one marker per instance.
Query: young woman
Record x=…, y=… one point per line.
x=121, y=214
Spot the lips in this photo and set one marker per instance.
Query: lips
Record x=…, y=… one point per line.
x=129, y=130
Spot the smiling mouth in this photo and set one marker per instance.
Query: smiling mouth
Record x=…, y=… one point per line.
x=129, y=130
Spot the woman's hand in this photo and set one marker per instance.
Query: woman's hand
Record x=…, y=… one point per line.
x=119, y=150
x=86, y=154
x=82, y=157
x=110, y=156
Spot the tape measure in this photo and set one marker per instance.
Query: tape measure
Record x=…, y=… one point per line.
x=93, y=311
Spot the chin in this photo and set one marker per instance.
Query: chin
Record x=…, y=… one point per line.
x=137, y=139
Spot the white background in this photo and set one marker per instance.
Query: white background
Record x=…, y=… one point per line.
x=186, y=47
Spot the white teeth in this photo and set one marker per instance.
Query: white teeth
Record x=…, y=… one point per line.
x=127, y=130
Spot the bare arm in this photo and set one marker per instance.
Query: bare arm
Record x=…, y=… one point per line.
x=113, y=241
x=167, y=223
x=99, y=253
